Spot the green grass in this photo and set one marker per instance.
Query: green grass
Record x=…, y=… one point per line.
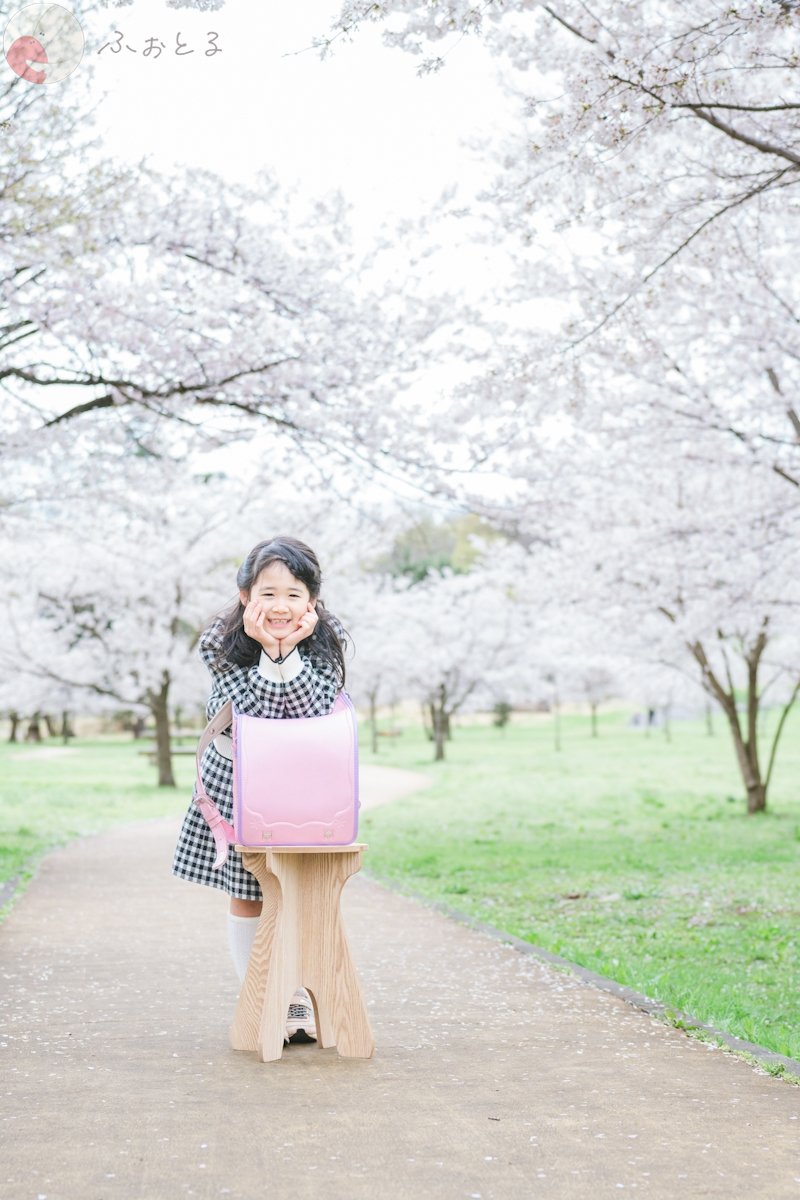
x=627, y=854
x=50, y=795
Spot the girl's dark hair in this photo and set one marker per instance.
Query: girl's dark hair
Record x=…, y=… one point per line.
x=327, y=643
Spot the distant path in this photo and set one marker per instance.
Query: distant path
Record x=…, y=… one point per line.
x=378, y=785
x=42, y=752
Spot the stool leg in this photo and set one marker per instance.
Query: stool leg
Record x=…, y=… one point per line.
x=342, y=1019
x=245, y=1028
x=283, y=972
x=326, y=965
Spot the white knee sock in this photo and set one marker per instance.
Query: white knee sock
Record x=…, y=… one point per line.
x=241, y=931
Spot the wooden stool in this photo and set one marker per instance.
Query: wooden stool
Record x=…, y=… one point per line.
x=300, y=942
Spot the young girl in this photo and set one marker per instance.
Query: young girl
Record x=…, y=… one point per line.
x=276, y=652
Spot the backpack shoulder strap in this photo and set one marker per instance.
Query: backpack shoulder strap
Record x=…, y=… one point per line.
x=219, y=722
x=220, y=828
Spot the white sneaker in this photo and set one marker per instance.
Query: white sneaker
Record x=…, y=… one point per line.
x=300, y=1026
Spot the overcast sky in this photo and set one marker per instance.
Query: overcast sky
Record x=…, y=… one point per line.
x=361, y=120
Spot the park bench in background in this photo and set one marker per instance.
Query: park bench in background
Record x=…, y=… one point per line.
x=178, y=737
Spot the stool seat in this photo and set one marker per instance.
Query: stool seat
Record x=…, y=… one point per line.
x=300, y=942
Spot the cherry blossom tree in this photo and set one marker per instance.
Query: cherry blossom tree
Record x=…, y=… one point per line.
x=650, y=192
x=59, y=201
x=375, y=611
x=191, y=313
x=118, y=560
x=26, y=702
x=109, y=617
x=201, y=315
x=463, y=636
x=662, y=689
x=678, y=560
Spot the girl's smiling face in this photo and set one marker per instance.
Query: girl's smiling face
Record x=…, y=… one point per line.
x=283, y=598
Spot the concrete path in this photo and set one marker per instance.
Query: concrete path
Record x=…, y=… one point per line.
x=495, y=1077
x=380, y=785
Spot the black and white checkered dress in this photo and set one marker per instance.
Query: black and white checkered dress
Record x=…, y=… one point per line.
x=311, y=693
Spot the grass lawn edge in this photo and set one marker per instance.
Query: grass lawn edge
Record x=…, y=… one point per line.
x=13, y=889
x=772, y=1063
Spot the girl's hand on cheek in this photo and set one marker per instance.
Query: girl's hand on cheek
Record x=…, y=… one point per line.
x=254, y=620
x=305, y=627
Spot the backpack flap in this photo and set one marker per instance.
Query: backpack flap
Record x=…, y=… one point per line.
x=295, y=780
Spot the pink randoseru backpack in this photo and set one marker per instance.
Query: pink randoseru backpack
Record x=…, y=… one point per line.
x=295, y=779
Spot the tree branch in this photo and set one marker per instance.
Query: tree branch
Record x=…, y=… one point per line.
x=746, y=139
x=778, y=731
x=697, y=109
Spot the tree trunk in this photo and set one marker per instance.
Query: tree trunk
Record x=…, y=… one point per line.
x=446, y=726
x=594, y=719
x=746, y=747
x=776, y=738
x=34, y=733
x=158, y=707
x=556, y=717
x=439, y=718
x=52, y=728
x=756, y=792
x=14, y=718
x=747, y=757
x=67, y=731
x=427, y=729
x=709, y=720
x=438, y=736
